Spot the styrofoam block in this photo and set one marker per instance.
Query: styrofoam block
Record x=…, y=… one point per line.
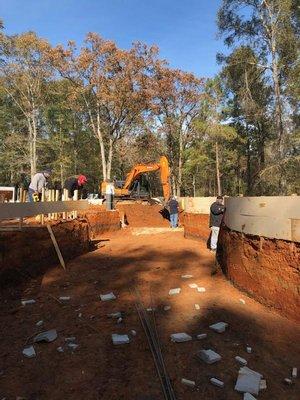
x=107, y=297
x=248, y=381
x=180, y=337
x=187, y=382
x=187, y=276
x=193, y=285
x=241, y=360
x=29, y=352
x=209, y=356
x=202, y=336
x=219, y=327
x=248, y=396
x=294, y=372
x=120, y=339
x=263, y=384
x=174, y=291
x=201, y=289
x=217, y=382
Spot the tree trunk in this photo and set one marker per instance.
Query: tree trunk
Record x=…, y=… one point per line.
x=179, y=178
x=249, y=183
x=218, y=169
x=31, y=149
x=102, y=148
x=109, y=159
x=194, y=186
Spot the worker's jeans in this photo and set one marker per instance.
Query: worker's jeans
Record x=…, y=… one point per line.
x=214, y=237
x=174, y=220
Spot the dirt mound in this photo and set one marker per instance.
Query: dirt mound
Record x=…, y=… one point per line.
x=144, y=215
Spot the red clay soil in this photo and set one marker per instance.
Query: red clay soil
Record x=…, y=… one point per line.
x=144, y=215
x=196, y=226
x=101, y=221
x=30, y=252
x=97, y=369
x=268, y=269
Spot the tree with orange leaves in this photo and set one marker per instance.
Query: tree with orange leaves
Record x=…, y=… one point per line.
x=111, y=84
x=176, y=103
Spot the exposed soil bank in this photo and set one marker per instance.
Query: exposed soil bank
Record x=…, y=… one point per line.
x=101, y=221
x=31, y=251
x=267, y=269
x=196, y=226
x=137, y=215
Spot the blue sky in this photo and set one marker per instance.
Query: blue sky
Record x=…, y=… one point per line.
x=184, y=30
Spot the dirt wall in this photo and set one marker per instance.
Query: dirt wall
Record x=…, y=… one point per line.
x=31, y=251
x=267, y=269
x=196, y=226
x=145, y=215
x=101, y=221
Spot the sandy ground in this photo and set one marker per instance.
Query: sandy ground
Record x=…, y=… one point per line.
x=98, y=370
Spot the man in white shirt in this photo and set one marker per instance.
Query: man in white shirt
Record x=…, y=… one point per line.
x=38, y=182
x=109, y=194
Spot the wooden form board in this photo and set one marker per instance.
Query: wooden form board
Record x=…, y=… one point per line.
x=22, y=210
x=275, y=217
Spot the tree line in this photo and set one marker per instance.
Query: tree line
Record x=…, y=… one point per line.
x=98, y=109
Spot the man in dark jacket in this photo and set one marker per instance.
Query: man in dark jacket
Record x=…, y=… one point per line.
x=173, y=209
x=216, y=214
x=74, y=183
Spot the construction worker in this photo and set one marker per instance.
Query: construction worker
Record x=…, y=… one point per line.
x=37, y=184
x=109, y=195
x=173, y=210
x=216, y=214
x=74, y=183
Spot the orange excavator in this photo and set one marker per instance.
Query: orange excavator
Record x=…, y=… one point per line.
x=130, y=189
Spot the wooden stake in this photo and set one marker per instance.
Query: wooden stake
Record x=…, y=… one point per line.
x=43, y=199
x=58, y=252
x=75, y=197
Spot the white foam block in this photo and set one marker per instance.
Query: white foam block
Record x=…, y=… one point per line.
x=188, y=382
x=248, y=381
x=107, y=297
x=174, y=291
x=120, y=339
x=209, y=356
x=217, y=382
x=193, y=285
x=180, y=337
x=248, y=396
x=219, y=327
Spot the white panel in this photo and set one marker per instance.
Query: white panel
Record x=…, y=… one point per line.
x=21, y=210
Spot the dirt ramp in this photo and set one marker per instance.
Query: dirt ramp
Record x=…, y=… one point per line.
x=144, y=215
x=268, y=269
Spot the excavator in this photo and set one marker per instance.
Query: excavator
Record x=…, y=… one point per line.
x=130, y=188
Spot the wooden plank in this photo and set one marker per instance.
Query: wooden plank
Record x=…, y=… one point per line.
x=58, y=252
x=21, y=210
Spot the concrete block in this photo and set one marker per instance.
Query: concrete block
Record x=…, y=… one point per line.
x=294, y=372
x=249, y=349
x=167, y=308
x=263, y=384
x=241, y=360
x=219, y=327
x=248, y=396
x=197, y=307
x=64, y=298
x=29, y=352
x=217, y=382
x=202, y=336
x=209, y=356
x=288, y=381
x=193, y=285
x=27, y=302
x=133, y=332
x=60, y=349
x=180, y=337
x=201, y=289
x=39, y=323
x=187, y=382
x=120, y=339
x=187, y=276
x=172, y=292
x=248, y=381
x=242, y=301
x=107, y=297
x=48, y=336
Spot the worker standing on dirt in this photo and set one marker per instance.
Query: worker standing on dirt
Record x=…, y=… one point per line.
x=74, y=183
x=109, y=195
x=37, y=184
x=216, y=214
x=173, y=210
